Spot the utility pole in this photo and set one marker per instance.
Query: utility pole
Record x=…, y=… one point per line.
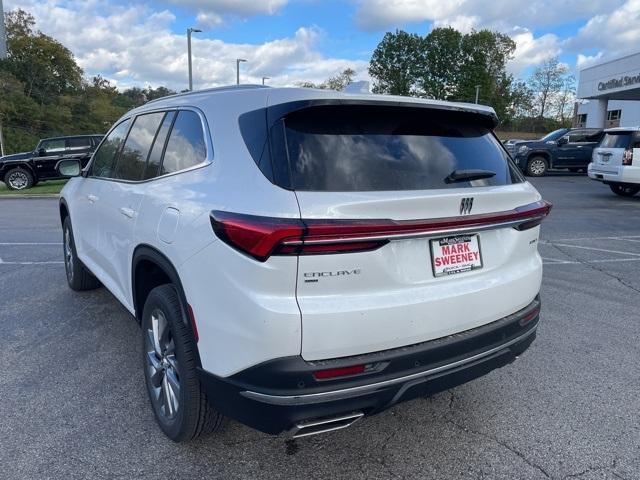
x=265, y=78
x=238, y=60
x=3, y=36
x=189, y=32
x=3, y=55
x=477, y=92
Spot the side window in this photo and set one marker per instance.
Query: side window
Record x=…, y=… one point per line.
x=133, y=159
x=577, y=136
x=105, y=157
x=155, y=157
x=52, y=147
x=186, y=146
x=78, y=143
x=636, y=141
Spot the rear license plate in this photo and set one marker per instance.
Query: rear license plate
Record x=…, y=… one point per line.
x=450, y=255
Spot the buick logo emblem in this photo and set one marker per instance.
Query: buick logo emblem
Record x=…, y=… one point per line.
x=466, y=204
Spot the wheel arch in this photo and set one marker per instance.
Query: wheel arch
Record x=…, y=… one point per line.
x=151, y=268
x=64, y=210
x=24, y=166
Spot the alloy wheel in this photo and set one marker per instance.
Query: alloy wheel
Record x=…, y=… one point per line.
x=18, y=180
x=537, y=167
x=162, y=366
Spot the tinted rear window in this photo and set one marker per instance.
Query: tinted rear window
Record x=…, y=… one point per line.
x=333, y=148
x=616, y=140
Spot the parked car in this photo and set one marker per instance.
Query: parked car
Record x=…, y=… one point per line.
x=24, y=170
x=566, y=148
x=300, y=258
x=616, y=162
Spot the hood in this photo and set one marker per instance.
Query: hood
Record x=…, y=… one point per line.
x=16, y=156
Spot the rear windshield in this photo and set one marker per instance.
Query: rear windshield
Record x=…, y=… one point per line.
x=333, y=148
x=616, y=140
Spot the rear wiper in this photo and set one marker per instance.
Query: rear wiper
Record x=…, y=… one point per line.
x=467, y=175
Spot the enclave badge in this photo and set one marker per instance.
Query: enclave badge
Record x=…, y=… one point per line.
x=466, y=204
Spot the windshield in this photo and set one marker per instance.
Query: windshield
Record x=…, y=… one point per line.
x=556, y=134
x=365, y=148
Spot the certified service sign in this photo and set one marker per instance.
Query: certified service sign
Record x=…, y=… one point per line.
x=619, y=82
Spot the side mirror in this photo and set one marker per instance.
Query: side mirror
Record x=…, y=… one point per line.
x=69, y=168
x=42, y=152
x=562, y=141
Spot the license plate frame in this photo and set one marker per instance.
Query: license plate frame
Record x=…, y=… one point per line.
x=454, y=246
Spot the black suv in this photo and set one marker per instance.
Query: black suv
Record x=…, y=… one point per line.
x=569, y=148
x=24, y=170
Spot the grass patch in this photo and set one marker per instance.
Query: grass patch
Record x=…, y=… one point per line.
x=521, y=135
x=43, y=188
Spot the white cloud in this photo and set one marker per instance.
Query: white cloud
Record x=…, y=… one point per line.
x=611, y=34
x=497, y=14
x=242, y=8
x=531, y=50
x=135, y=46
x=208, y=20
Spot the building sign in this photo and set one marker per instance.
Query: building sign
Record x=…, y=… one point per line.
x=619, y=82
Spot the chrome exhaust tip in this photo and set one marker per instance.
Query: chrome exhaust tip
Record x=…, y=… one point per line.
x=315, y=427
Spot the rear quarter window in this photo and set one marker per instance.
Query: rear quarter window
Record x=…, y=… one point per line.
x=372, y=148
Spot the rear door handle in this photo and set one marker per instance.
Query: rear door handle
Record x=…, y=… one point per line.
x=127, y=212
x=92, y=198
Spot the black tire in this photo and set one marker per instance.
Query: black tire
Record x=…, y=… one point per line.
x=537, y=166
x=79, y=277
x=624, y=190
x=18, y=179
x=170, y=361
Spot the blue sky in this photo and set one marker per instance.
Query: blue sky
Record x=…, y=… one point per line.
x=143, y=43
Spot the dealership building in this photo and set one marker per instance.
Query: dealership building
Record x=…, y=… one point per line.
x=609, y=94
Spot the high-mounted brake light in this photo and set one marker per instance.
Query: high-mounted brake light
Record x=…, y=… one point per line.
x=262, y=237
x=627, y=157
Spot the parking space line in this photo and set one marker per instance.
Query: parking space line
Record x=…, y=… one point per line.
x=29, y=243
x=605, y=260
x=623, y=237
x=595, y=249
x=31, y=263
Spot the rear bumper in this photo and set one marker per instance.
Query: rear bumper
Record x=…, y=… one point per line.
x=614, y=174
x=276, y=395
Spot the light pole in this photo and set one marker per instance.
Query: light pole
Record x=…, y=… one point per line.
x=3, y=39
x=189, y=32
x=477, y=92
x=265, y=78
x=238, y=60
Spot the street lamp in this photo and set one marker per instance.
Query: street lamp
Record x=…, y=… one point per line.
x=189, y=32
x=265, y=78
x=238, y=60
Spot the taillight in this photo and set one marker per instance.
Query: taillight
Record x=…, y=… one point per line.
x=627, y=157
x=262, y=237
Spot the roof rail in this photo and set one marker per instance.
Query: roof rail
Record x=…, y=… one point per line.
x=213, y=89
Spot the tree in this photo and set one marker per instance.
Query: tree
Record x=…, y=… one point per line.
x=338, y=82
x=397, y=63
x=547, y=80
x=440, y=76
x=45, y=66
x=564, y=100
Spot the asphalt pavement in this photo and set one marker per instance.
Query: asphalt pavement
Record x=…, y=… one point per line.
x=73, y=402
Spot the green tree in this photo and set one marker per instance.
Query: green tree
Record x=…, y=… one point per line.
x=338, y=82
x=546, y=81
x=45, y=66
x=397, y=63
x=440, y=76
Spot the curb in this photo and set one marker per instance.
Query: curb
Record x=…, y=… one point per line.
x=32, y=195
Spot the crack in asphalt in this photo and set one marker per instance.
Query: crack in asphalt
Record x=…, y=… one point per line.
x=595, y=267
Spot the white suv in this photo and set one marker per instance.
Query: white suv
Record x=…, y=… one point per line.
x=298, y=258
x=616, y=161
